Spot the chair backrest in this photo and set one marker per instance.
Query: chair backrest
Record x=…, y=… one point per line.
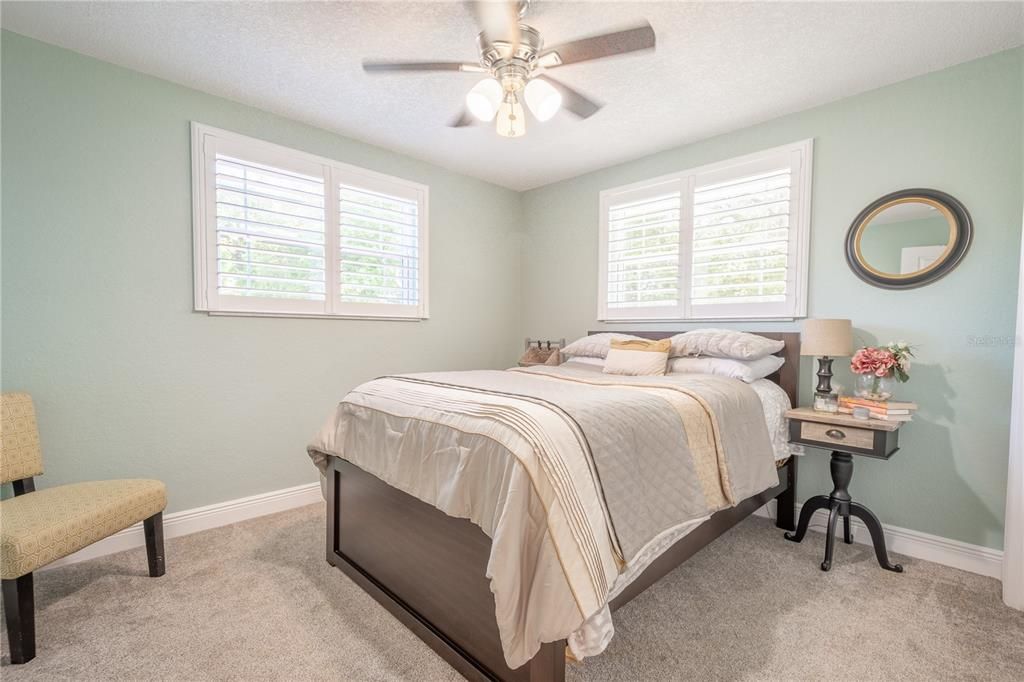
x=20, y=453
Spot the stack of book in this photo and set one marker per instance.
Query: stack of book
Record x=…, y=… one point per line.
x=888, y=410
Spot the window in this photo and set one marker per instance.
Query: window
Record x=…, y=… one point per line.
x=724, y=241
x=283, y=233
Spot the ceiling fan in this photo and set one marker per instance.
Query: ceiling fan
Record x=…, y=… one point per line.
x=516, y=61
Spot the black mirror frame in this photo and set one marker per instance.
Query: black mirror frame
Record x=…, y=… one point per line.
x=962, y=242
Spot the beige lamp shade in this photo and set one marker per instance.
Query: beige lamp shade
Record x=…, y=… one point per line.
x=833, y=338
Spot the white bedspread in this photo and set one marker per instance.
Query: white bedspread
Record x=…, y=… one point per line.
x=774, y=402
x=596, y=632
x=555, y=561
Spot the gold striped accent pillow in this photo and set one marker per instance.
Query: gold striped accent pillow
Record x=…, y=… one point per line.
x=638, y=357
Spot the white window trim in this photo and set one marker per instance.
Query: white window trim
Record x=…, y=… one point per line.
x=800, y=211
x=204, y=234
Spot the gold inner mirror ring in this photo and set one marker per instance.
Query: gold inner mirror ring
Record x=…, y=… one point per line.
x=950, y=220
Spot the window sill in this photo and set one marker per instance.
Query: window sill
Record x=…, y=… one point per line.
x=310, y=316
x=684, y=320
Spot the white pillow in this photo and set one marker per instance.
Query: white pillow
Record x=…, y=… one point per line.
x=591, y=362
x=744, y=370
x=724, y=343
x=637, y=357
x=595, y=345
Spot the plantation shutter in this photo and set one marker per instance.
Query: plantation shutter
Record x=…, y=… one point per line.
x=642, y=251
x=724, y=241
x=270, y=232
x=743, y=240
x=279, y=232
x=379, y=248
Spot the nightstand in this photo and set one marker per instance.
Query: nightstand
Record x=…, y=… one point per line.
x=845, y=437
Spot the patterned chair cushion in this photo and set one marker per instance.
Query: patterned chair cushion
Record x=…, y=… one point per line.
x=40, y=527
x=20, y=455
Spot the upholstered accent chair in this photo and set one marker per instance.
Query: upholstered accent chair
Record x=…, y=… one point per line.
x=40, y=526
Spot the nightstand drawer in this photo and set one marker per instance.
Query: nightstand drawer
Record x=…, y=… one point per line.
x=843, y=433
x=842, y=436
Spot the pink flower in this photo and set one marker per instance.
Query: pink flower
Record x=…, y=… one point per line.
x=877, y=361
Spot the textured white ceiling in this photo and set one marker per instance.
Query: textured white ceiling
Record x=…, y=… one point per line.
x=718, y=66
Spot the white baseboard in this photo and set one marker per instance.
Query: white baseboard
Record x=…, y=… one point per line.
x=962, y=555
x=201, y=518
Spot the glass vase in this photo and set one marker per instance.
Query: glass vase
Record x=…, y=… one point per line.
x=874, y=387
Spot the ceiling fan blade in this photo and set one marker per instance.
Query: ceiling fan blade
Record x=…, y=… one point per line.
x=599, y=47
x=572, y=100
x=498, y=21
x=378, y=67
x=464, y=119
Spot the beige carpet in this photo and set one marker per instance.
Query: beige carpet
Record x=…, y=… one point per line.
x=257, y=601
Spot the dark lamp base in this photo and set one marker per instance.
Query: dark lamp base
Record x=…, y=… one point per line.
x=824, y=375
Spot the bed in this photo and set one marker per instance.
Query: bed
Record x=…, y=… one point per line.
x=520, y=568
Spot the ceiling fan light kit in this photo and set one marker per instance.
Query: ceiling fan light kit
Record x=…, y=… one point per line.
x=511, y=121
x=542, y=98
x=488, y=98
x=513, y=55
x=484, y=99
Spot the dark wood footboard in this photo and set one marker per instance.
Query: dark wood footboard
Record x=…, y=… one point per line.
x=428, y=568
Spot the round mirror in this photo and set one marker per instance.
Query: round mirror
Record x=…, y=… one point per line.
x=909, y=238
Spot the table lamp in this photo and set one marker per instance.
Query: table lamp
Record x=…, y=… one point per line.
x=826, y=339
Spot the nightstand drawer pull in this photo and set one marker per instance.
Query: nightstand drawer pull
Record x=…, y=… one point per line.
x=835, y=433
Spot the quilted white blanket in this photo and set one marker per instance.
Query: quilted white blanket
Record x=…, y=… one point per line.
x=572, y=473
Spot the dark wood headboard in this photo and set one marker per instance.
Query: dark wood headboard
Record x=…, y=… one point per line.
x=788, y=376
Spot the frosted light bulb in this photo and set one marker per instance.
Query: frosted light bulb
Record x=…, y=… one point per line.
x=484, y=99
x=542, y=98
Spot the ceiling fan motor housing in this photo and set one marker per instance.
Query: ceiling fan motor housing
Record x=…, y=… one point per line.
x=511, y=64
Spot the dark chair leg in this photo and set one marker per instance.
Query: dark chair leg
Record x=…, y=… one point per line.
x=154, y=527
x=847, y=531
x=19, y=612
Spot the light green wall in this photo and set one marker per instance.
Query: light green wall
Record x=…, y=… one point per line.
x=97, y=282
x=97, y=288
x=882, y=244
x=957, y=130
